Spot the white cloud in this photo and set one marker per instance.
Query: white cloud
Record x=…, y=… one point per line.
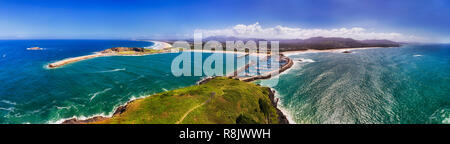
x=281, y=32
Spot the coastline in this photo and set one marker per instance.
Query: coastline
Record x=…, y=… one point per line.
x=97, y=116
x=339, y=50
x=66, y=61
x=285, y=112
x=273, y=73
x=226, y=52
x=156, y=46
x=284, y=115
x=282, y=118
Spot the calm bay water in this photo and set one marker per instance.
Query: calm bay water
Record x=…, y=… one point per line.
x=410, y=84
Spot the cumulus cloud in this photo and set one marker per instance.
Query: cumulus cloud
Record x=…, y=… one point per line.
x=282, y=32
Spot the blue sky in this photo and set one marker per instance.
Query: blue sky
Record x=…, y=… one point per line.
x=178, y=18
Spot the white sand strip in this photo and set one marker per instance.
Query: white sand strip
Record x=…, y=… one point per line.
x=159, y=45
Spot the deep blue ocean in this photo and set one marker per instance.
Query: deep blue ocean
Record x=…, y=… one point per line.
x=410, y=84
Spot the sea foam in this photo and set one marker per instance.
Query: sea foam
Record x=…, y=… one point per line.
x=8, y=102
x=304, y=60
x=97, y=93
x=114, y=70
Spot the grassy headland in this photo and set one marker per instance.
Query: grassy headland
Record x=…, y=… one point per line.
x=220, y=100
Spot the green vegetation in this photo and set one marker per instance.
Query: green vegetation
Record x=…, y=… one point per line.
x=219, y=101
x=152, y=51
x=146, y=51
x=128, y=53
x=243, y=119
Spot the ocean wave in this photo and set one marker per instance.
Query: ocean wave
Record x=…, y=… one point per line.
x=7, y=109
x=304, y=60
x=282, y=108
x=139, y=77
x=440, y=116
x=114, y=70
x=296, y=66
x=97, y=93
x=104, y=114
x=8, y=102
x=446, y=121
x=68, y=107
x=59, y=121
x=164, y=89
x=417, y=55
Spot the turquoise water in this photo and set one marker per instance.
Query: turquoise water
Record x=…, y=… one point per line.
x=31, y=93
x=410, y=84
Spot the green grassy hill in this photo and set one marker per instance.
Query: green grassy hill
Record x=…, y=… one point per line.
x=218, y=101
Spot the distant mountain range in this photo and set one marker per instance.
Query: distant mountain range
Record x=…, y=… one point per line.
x=318, y=43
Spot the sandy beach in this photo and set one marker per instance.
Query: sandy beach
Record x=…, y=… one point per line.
x=74, y=59
x=159, y=45
x=286, y=53
x=340, y=50
x=228, y=52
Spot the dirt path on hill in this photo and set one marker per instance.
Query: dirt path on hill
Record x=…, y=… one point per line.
x=192, y=109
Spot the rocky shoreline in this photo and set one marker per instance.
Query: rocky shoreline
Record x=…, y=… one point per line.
x=119, y=110
x=282, y=119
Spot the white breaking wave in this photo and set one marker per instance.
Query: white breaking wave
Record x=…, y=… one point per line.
x=446, y=121
x=97, y=93
x=304, y=60
x=283, y=109
x=8, y=102
x=59, y=121
x=164, y=89
x=417, y=55
x=114, y=70
x=68, y=107
x=7, y=109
